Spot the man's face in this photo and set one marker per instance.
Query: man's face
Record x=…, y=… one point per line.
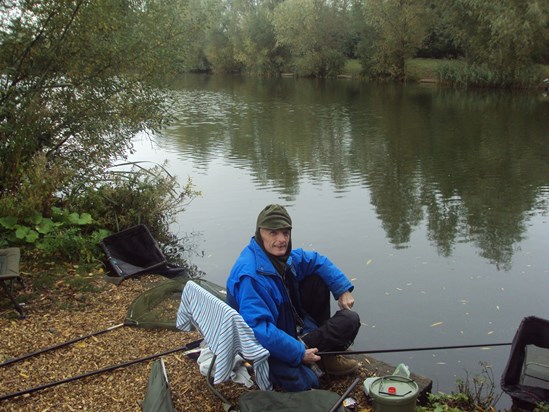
x=275, y=241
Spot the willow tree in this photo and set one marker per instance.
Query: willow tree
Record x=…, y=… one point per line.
x=77, y=81
x=315, y=32
x=255, y=39
x=241, y=37
x=396, y=29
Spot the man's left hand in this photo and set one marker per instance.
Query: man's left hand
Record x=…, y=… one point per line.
x=346, y=300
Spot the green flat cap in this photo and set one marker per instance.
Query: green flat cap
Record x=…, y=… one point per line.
x=274, y=217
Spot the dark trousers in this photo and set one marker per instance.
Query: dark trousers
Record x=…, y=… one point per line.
x=334, y=333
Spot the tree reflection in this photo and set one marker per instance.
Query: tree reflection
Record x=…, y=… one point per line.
x=471, y=166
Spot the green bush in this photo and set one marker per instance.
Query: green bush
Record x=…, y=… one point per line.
x=125, y=198
x=120, y=199
x=74, y=245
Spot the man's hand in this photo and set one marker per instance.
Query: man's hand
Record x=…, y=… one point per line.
x=310, y=356
x=346, y=300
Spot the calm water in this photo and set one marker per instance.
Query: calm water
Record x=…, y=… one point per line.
x=434, y=202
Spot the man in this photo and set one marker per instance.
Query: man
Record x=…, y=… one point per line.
x=284, y=295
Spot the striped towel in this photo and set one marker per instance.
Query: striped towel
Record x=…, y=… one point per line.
x=225, y=331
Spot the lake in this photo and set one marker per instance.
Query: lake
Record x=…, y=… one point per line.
x=433, y=201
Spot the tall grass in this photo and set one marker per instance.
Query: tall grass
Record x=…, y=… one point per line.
x=459, y=74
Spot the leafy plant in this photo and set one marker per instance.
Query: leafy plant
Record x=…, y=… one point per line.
x=542, y=407
x=61, y=234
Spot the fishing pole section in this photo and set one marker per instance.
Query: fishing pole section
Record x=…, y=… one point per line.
x=188, y=349
x=429, y=348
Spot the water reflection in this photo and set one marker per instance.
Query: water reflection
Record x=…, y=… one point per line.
x=473, y=167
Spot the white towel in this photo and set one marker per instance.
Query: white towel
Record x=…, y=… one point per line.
x=225, y=332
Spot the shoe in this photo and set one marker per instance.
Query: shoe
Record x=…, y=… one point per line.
x=338, y=365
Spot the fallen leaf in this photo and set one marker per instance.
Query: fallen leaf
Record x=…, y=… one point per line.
x=437, y=324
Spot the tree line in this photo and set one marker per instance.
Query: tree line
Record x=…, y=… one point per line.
x=503, y=40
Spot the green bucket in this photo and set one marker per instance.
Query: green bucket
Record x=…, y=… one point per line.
x=394, y=394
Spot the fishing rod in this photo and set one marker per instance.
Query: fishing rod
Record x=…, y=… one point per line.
x=60, y=345
x=342, y=398
x=361, y=352
x=127, y=322
x=188, y=348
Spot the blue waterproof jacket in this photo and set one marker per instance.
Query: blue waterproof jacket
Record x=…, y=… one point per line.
x=257, y=292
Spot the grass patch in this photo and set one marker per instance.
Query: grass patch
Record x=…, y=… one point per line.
x=352, y=68
x=418, y=69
